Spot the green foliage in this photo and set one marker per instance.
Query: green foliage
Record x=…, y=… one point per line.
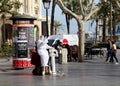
x=5, y=50
x=17, y=4
x=102, y=44
x=73, y=5
x=88, y=45
x=6, y=6
x=98, y=45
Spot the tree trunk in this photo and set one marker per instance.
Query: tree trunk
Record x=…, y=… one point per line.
x=114, y=29
x=55, y=31
x=3, y=18
x=81, y=37
x=104, y=30
x=96, y=30
x=52, y=16
x=111, y=20
x=4, y=30
x=68, y=23
x=0, y=37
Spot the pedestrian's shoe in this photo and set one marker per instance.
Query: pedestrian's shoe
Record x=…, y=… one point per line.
x=50, y=72
x=106, y=62
x=53, y=73
x=116, y=63
x=43, y=73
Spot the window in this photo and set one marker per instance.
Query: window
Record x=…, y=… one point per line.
x=36, y=1
x=36, y=11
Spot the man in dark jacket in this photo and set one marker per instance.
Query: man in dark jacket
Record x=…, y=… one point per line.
x=109, y=47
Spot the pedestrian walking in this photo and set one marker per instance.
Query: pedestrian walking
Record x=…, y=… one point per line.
x=113, y=53
x=109, y=47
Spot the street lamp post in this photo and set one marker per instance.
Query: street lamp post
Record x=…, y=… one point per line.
x=46, y=4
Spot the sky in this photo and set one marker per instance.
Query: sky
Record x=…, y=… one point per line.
x=59, y=16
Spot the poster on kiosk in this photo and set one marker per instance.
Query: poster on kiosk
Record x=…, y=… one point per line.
x=23, y=40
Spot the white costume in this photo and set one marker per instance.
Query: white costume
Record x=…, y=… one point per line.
x=53, y=54
x=42, y=47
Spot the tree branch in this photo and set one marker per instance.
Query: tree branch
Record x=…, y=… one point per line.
x=92, y=5
x=81, y=7
x=94, y=10
x=66, y=10
x=118, y=3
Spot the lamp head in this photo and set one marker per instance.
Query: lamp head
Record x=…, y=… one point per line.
x=46, y=3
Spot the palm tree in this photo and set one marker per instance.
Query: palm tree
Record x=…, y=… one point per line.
x=111, y=12
x=105, y=13
x=57, y=25
x=68, y=4
x=95, y=18
x=52, y=16
x=115, y=12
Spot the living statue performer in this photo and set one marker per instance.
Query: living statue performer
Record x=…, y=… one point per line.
x=42, y=48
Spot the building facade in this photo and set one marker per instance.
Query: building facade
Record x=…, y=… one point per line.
x=28, y=7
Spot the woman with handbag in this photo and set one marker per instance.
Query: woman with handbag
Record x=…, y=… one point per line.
x=113, y=53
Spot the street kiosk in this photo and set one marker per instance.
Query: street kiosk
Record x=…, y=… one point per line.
x=23, y=40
